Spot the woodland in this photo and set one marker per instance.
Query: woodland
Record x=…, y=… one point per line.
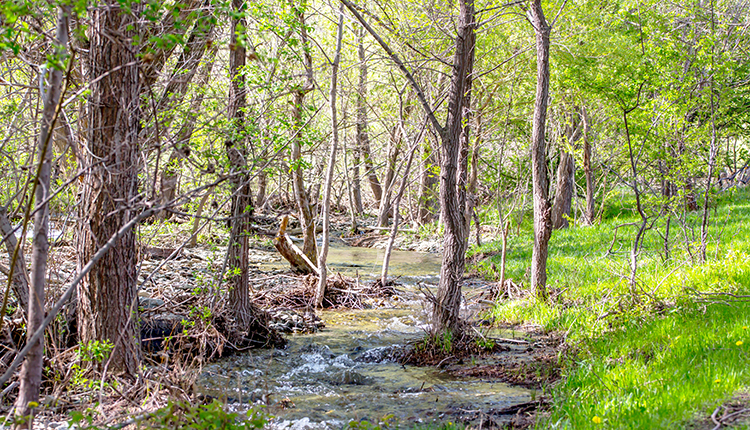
x=248, y=214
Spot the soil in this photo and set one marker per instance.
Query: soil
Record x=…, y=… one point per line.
x=735, y=412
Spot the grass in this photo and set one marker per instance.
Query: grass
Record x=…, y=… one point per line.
x=662, y=358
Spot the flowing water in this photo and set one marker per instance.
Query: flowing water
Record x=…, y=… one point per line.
x=345, y=372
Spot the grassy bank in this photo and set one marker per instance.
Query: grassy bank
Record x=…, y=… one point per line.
x=663, y=357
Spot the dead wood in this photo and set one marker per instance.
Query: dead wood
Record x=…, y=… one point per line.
x=291, y=253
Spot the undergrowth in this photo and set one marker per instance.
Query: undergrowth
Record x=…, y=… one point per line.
x=664, y=357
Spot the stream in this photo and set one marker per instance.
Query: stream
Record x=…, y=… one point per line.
x=345, y=373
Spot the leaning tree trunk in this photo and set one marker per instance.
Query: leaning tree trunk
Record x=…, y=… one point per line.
x=542, y=225
x=108, y=308
x=20, y=277
x=31, y=371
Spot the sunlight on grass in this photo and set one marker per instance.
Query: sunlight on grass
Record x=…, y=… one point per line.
x=662, y=358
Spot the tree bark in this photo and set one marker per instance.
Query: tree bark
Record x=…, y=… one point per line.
x=322, y=279
x=31, y=371
x=20, y=281
x=566, y=170
x=236, y=146
x=453, y=176
x=590, y=211
x=306, y=215
x=107, y=308
x=542, y=224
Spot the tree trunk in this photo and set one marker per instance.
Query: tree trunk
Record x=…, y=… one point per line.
x=108, y=308
x=542, y=224
x=181, y=150
x=306, y=215
x=453, y=175
x=322, y=279
x=20, y=281
x=236, y=146
x=363, y=139
x=563, y=203
x=428, y=181
x=31, y=371
x=394, y=149
x=590, y=211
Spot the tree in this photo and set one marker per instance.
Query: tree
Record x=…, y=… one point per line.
x=445, y=315
x=236, y=147
x=108, y=308
x=542, y=222
x=322, y=279
x=31, y=372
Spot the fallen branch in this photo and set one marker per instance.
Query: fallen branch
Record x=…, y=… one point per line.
x=290, y=251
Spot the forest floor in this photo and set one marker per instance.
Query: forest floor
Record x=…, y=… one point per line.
x=669, y=352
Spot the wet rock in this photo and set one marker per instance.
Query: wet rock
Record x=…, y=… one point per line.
x=147, y=303
x=350, y=377
x=157, y=328
x=288, y=321
x=381, y=354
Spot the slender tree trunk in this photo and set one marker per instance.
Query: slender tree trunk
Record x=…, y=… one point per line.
x=181, y=150
x=107, y=307
x=394, y=150
x=396, y=215
x=590, y=211
x=236, y=146
x=306, y=215
x=322, y=279
x=20, y=281
x=363, y=139
x=453, y=175
x=713, y=149
x=542, y=224
x=31, y=371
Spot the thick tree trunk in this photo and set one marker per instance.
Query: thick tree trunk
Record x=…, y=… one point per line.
x=107, y=308
x=453, y=175
x=323, y=271
x=242, y=210
x=31, y=371
x=542, y=224
x=363, y=139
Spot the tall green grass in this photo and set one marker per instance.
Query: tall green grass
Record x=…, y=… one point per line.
x=658, y=359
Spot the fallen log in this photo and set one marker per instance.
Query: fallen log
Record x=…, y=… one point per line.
x=291, y=253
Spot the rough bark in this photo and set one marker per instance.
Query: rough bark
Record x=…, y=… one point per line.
x=453, y=176
x=236, y=147
x=323, y=272
x=31, y=371
x=107, y=307
x=542, y=225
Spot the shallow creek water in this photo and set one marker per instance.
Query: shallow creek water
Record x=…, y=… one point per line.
x=344, y=372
